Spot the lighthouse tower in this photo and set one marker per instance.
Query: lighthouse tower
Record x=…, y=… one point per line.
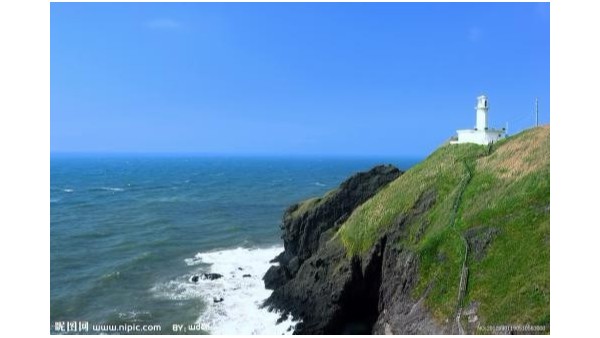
x=482, y=113
x=481, y=134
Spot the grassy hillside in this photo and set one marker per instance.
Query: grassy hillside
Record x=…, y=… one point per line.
x=496, y=198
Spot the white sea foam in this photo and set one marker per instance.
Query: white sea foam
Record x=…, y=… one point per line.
x=319, y=184
x=112, y=189
x=167, y=199
x=135, y=316
x=239, y=312
x=179, y=289
x=192, y=261
x=68, y=190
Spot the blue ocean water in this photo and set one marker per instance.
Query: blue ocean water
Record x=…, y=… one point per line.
x=128, y=232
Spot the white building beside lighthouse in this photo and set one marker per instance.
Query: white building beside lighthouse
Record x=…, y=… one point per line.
x=481, y=134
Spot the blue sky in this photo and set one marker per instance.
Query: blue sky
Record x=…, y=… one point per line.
x=386, y=79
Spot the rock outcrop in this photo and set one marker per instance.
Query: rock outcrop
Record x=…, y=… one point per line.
x=307, y=224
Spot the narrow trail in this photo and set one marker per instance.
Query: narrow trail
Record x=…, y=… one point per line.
x=464, y=269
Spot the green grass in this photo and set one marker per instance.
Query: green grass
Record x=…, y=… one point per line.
x=311, y=203
x=304, y=206
x=510, y=191
x=438, y=171
x=512, y=282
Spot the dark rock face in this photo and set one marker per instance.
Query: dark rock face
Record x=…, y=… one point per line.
x=335, y=294
x=332, y=293
x=318, y=291
x=275, y=277
x=398, y=312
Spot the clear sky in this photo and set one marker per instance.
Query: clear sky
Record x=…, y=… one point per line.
x=385, y=79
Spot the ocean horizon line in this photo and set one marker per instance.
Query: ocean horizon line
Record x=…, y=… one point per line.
x=233, y=155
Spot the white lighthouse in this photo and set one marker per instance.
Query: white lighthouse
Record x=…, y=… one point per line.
x=482, y=113
x=481, y=134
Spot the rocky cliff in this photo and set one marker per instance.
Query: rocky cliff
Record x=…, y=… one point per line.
x=413, y=253
x=306, y=225
x=314, y=279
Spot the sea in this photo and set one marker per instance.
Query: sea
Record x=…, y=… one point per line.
x=129, y=232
